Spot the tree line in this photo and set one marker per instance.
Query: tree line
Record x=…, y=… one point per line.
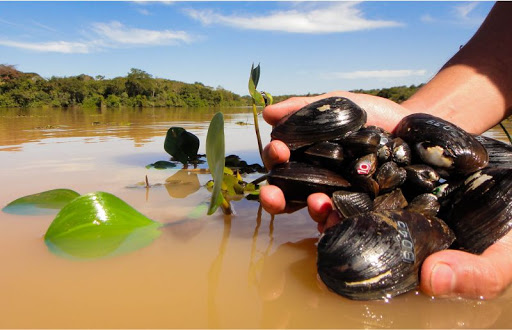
x=137, y=89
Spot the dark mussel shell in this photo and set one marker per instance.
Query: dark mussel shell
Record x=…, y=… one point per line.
x=323, y=120
x=299, y=180
x=426, y=204
x=442, y=144
x=326, y=154
x=401, y=152
x=421, y=179
x=349, y=203
x=481, y=210
x=394, y=200
x=389, y=176
x=500, y=153
x=378, y=255
x=362, y=142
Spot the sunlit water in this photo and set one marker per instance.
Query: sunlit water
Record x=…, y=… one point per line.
x=243, y=271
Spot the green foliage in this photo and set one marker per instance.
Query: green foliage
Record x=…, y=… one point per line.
x=215, y=155
x=98, y=225
x=137, y=89
x=45, y=202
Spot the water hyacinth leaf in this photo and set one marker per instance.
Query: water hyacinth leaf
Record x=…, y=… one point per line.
x=161, y=165
x=98, y=225
x=46, y=202
x=215, y=155
x=181, y=145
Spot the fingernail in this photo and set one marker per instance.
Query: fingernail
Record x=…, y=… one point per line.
x=442, y=280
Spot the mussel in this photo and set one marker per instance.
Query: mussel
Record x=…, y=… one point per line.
x=299, y=180
x=480, y=210
x=323, y=120
x=376, y=255
x=442, y=144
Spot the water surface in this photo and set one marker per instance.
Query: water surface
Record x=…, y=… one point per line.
x=244, y=271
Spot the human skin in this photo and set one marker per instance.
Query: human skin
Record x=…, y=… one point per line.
x=472, y=90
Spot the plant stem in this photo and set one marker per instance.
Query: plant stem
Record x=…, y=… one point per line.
x=257, y=129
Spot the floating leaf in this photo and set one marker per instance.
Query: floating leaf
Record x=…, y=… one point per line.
x=161, y=165
x=181, y=145
x=46, y=202
x=215, y=153
x=98, y=225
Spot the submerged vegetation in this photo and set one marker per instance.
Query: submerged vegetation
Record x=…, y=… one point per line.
x=137, y=89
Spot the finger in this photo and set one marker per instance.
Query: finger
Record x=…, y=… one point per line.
x=272, y=199
x=451, y=273
x=332, y=220
x=319, y=207
x=276, y=152
x=273, y=113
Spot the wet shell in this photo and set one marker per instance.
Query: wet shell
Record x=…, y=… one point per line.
x=391, y=201
x=299, y=180
x=389, y=176
x=482, y=209
x=378, y=255
x=442, y=144
x=426, y=204
x=323, y=120
x=362, y=142
x=349, y=203
x=420, y=179
x=500, y=153
x=401, y=152
x=326, y=154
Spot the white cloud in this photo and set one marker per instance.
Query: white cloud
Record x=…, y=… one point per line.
x=51, y=46
x=105, y=35
x=120, y=34
x=331, y=18
x=462, y=11
x=375, y=74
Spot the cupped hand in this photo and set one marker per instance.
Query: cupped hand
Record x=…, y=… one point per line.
x=448, y=273
x=380, y=111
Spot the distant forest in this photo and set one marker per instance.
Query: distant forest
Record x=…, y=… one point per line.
x=137, y=89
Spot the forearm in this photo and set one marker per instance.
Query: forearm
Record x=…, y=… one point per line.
x=474, y=88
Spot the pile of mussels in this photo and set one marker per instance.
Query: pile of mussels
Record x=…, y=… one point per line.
x=402, y=196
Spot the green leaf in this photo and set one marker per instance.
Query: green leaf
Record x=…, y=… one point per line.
x=253, y=83
x=268, y=99
x=255, y=75
x=97, y=225
x=161, y=165
x=180, y=144
x=46, y=202
x=215, y=153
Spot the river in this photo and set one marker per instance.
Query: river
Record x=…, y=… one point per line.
x=245, y=271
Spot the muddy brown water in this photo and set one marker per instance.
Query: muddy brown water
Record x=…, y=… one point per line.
x=244, y=271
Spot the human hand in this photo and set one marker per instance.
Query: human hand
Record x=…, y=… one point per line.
x=447, y=273
x=380, y=111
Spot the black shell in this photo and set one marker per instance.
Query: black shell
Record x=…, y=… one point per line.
x=299, y=180
x=389, y=176
x=442, y=144
x=482, y=209
x=326, y=154
x=349, y=203
x=323, y=120
x=500, y=153
x=378, y=255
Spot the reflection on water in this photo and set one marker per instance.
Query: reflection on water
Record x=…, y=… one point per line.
x=248, y=270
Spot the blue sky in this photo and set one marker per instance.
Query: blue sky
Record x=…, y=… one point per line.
x=303, y=47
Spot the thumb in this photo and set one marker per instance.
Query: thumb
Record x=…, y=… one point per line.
x=452, y=273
